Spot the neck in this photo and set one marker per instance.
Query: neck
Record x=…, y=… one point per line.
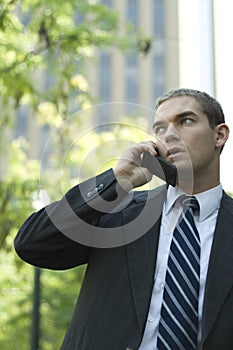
x=197, y=188
x=199, y=183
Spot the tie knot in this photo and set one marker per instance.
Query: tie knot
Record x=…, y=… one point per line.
x=189, y=202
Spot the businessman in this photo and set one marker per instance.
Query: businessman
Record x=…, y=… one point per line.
x=164, y=278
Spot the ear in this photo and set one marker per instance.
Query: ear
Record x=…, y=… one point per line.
x=222, y=134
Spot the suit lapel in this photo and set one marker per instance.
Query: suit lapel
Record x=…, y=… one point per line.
x=141, y=253
x=220, y=273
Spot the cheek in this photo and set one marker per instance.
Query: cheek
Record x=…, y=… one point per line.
x=202, y=137
x=201, y=147
x=198, y=144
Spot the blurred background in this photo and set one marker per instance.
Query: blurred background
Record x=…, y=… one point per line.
x=78, y=83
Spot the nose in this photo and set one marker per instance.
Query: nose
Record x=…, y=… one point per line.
x=171, y=134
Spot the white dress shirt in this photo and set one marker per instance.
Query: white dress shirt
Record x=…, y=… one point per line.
x=205, y=220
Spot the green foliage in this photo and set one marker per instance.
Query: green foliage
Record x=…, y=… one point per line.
x=57, y=310
x=15, y=303
x=44, y=48
x=59, y=291
x=16, y=190
x=52, y=36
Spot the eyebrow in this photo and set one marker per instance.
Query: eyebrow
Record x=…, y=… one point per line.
x=178, y=116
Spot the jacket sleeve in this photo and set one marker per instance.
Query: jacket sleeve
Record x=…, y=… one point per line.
x=59, y=235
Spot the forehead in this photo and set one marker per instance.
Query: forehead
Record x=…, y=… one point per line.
x=177, y=105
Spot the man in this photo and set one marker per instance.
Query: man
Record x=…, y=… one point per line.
x=122, y=302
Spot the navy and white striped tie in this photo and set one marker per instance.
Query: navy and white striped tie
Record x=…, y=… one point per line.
x=178, y=324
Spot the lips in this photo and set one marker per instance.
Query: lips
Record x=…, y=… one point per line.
x=174, y=152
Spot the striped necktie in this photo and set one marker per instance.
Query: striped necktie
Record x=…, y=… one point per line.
x=178, y=326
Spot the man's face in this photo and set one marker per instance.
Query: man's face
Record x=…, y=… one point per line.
x=184, y=136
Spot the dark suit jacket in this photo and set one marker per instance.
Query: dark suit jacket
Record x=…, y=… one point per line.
x=113, y=304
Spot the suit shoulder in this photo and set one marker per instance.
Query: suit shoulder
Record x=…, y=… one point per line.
x=227, y=203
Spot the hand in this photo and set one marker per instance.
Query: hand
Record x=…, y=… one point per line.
x=128, y=170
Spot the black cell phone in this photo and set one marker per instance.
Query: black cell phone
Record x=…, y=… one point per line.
x=160, y=167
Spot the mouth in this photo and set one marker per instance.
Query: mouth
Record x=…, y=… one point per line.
x=174, y=152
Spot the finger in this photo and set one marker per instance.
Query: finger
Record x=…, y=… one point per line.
x=148, y=146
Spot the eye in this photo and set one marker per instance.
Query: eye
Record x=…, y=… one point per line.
x=159, y=130
x=187, y=121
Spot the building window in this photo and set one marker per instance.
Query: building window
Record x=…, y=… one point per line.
x=158, y=62
x=158, y=25
x=105, y=77
x=107, y=3
x=21, y=121
x=132, y=11
x=158, y=72
x=131, y=79
x=105, y=81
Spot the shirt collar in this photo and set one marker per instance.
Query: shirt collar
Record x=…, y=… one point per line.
x=209, y=200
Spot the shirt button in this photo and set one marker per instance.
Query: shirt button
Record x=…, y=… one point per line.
x=95, y=190
x=90, y=194
x=150, y=319
x=161, y=285
x=100, y=187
